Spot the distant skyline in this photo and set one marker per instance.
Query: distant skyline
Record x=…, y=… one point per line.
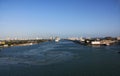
x=64, y=18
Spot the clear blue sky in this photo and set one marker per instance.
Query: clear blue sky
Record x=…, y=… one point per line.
x=64, y=18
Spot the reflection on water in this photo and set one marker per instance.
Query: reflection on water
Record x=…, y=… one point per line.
x=64, y=58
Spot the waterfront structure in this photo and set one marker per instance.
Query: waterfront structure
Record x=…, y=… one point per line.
x=9, y=43
x=102, y=42
x=2, y=42
x=107, y=42
x=118, y=38
x=73, y=38
x=95, y=42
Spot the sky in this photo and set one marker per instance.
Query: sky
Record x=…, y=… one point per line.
x=64, y=18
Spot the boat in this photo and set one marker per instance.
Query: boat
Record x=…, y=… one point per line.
x=57, y=39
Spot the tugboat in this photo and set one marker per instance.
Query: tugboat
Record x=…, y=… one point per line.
x=57, y=39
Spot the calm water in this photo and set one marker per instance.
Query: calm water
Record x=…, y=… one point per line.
x=64, y=58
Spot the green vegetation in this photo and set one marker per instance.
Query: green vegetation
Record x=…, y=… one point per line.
x=20, y=42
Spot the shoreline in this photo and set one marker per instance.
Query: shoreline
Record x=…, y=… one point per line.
x=20, y=43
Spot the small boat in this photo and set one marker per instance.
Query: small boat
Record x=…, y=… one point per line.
x=57, y=39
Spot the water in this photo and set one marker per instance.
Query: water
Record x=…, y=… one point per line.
x=64, y=58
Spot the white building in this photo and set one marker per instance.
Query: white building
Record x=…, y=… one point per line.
x=73, y=38
x=95, y=42
x=118, y=38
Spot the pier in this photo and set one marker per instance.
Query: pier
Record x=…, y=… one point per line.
x=97, y=41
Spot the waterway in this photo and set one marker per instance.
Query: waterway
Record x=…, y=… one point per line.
x=63, y=58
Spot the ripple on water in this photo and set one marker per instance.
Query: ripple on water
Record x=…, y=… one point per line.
x=37, y=58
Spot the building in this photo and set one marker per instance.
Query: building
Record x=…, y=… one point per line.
x=73, y=38
x=95, y=43
x=118, y=38
x=2, y=42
